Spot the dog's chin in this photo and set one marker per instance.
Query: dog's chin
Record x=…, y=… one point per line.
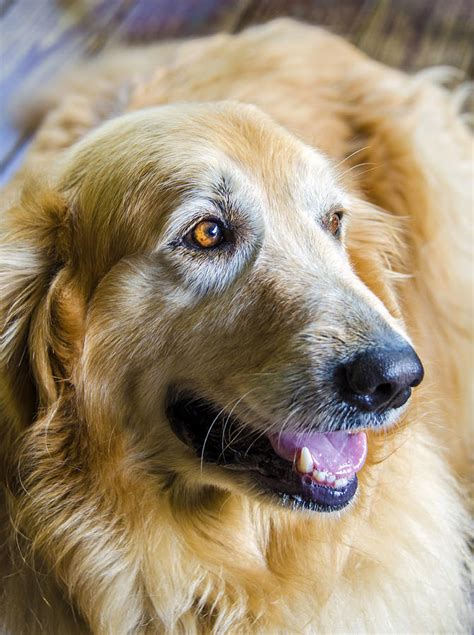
x=275, y=466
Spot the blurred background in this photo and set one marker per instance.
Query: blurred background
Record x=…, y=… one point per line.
x=38, y=38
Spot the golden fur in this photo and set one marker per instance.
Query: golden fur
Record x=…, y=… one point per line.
x=108, y=524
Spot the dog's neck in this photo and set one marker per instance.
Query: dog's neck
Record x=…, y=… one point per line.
x=218, y=560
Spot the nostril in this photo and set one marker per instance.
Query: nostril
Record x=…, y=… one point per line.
x=384, y=391
x=399, y=398
x=419, y=374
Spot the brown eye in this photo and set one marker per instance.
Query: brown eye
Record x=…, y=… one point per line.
x=334, y=223
x=207, y=234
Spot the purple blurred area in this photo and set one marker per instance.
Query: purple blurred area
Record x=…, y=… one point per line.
x=176, y=18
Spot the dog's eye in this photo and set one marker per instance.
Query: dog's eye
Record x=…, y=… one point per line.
x=334, y=223
x=207, y=234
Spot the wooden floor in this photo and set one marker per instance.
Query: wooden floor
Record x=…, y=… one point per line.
x=38, y=37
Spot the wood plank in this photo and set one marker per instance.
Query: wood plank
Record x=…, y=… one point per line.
x=39, y=38
x=172, y=19
x=408, y=34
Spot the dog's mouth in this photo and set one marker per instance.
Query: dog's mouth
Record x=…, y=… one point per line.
x=315, y=471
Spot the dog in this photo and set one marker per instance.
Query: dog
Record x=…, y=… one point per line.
x=235, y=346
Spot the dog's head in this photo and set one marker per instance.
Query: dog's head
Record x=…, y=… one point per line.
x=188, y=292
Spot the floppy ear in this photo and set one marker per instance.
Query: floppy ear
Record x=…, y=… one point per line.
x=33, y=258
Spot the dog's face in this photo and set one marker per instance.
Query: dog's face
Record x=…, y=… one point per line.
x=225, y=331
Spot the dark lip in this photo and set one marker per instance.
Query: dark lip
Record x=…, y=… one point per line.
x=305, y=493
x=218, y=438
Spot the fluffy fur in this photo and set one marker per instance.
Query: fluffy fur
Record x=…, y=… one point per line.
x=109, y=525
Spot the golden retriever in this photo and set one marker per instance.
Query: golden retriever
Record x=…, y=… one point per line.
x=217, y=264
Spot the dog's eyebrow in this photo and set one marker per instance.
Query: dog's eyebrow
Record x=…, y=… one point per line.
x=222, y=190
x=223, y=197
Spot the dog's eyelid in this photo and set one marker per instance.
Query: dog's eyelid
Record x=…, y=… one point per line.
x=176, y=230
x=333, y=220
x=200, y=218
x=337, y=209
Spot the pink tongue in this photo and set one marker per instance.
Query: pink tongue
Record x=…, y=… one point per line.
x=338, y=452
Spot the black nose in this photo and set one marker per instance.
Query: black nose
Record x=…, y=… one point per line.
x=381, y=378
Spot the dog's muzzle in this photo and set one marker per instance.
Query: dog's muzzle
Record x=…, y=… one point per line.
x=315, y=469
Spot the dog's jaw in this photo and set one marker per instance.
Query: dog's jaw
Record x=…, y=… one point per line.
x=291, y=469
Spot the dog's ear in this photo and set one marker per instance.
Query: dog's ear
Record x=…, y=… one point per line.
x=35, y=299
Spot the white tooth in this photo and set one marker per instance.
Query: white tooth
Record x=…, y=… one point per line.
x=320, y=476
x=331, y=478
x=304, y=464
x=341, y=482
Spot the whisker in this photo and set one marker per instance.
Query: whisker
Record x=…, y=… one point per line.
x=351, y=155
x=231, y=440
x=207, y=436
x=359, y=165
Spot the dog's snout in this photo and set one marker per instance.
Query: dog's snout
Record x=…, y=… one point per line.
x=381, y=378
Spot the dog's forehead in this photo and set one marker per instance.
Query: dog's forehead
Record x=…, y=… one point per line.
x=146, y=163
x=263, y=167
x=284, y=170
x=298, y=183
